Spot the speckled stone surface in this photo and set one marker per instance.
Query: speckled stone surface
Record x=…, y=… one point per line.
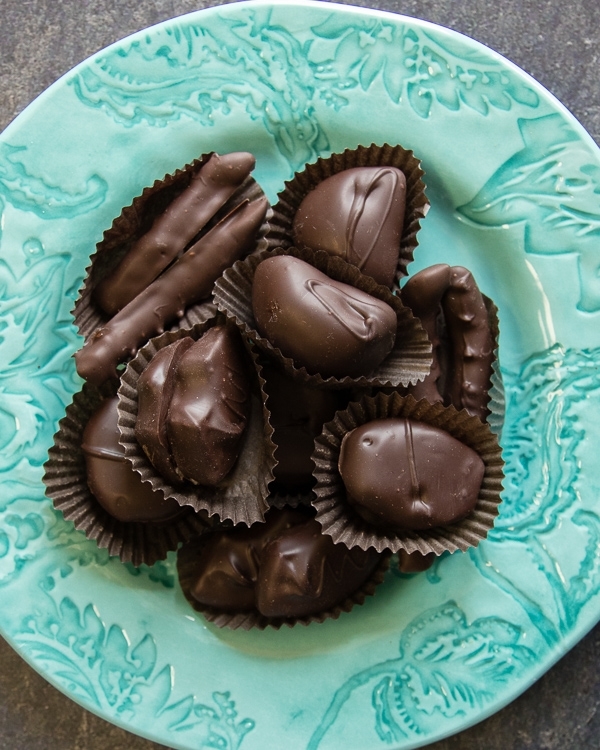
x=554, y=41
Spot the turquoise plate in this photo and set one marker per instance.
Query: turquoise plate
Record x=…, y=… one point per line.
x=514, y=183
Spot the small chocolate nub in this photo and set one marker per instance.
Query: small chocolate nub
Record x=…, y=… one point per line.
x=302, y=572
x=406, y=474
x=111, y=478
x=209, y=407
x=328, y=327
x=414, y=562
x=210, y=187
x=357, y=214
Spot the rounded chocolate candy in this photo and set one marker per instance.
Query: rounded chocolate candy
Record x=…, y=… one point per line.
x=357, y=214
x=328, y=327
x=111, y=478
x=406, y=474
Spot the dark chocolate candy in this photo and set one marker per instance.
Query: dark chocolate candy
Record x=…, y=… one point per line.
x=111, y=478
x=302, y=572
x=209, y=407
x=210, y=187
x=414, y=562
x=228, y=564
x=405, y=474
x=155, y=389
x=452, y=311
x=189, y=280
x=331, y=328
x=298, y=413
x=357, y=214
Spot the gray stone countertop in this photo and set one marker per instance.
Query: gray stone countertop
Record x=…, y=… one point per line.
x=555, y=41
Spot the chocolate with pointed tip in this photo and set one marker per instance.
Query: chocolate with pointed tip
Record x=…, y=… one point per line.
x=404, y=474
x=111, y=478
x=357, y=214
x=328, y=327
x=209, y=189
x=209, y=407
x=188, y=281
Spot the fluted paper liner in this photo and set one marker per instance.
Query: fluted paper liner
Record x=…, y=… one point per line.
x=66, y=484
x=133, y=222
x=408, y=362
x=187, y=561
x=343, y=524
x=241, y=496
x=417, y=205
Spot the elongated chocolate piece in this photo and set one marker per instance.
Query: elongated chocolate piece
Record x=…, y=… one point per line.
x=328, y=327
x=209, y=407
x=357, y=214
x=112, y=480
x=189, y=280
x=228, y=565
x=302, y=572
x=210, y=188
x=405, y=474
x=155, y=389
x=298, y=413
x=452, y=311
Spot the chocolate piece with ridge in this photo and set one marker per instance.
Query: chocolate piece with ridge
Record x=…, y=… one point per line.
x=404, y=474
x=326, y=326
x=189, y=280
x=302, y=572
x=111, y=478
x=209, y=189
x=155, y=389
x=209, y=407
x=357, y=214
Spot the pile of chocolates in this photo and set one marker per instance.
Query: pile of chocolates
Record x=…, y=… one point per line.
x=264, y=398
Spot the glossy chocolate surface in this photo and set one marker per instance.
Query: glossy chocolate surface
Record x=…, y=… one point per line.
x=298, y=413
x=324, y=325
x=302, y=572
x=453, y=312
x=228, y=565
x=188, y=281
x=155, y=389
x=406, y=474
x=357, y=214
x=210, y=187
x=112, y=480
x=209, y=407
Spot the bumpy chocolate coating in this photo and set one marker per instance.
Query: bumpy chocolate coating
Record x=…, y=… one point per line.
x=189, y=280
x=228, y=565
x=298, y=413
x=155, y=389
x=405, y=474
x=111, y=478
x=452, y=310
x=209, y=189
x=328, y=327
x=357, y=214
x=209, y=407
x=302, y=572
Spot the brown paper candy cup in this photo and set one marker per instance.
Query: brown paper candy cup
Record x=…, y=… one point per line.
x=343, y=524
x=408, y=362
x=241, y=496
x=66, y=484
x=187, y=562
x=417, y=205
x=133, y=222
